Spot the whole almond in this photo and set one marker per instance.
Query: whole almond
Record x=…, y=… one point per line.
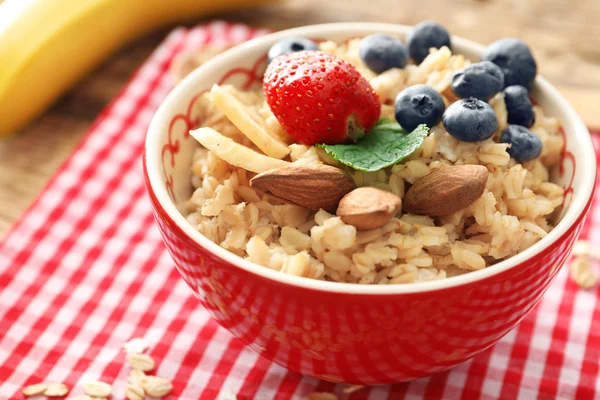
x=446, y=191
x=314, y=187
x=368, y=207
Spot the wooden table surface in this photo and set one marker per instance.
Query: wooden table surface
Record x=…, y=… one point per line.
x=565, y=36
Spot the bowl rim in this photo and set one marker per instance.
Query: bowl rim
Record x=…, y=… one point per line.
x=581, y=200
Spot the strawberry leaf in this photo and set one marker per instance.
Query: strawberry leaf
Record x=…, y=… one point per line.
x=385, y=145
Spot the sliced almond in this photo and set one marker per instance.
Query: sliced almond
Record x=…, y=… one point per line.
x=157, y=386
x=133, y=392
x=315, y=187
x=32, y=390
x=234, y=153
x=368, y=207
x=446, y=191
x=97, y=389
x=56, y=390
x=234, y=110
x=142, y=362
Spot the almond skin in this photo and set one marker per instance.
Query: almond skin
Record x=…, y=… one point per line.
x=446, y=191
x=368, y=207
x=314, y=187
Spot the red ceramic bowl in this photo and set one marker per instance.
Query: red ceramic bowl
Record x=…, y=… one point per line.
x=358, y=334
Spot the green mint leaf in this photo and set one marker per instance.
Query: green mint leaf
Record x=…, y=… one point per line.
x=385, y=145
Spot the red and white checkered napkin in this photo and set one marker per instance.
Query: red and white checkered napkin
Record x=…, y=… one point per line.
x=84, y=270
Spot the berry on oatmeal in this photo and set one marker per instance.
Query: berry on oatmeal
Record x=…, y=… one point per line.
x=424, y=36
x=381, y=52
x=418, y=104
x=290, y=45
x=518, y=106
x=319, y=98
x=481, y=80
x=514, y=58
x=524, y=144
x=470, y=120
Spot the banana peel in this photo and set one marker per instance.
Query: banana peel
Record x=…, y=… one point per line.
x=46, y=46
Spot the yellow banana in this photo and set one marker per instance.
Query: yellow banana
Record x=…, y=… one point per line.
x=47, y=45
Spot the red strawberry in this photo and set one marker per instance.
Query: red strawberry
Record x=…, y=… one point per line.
x=320, y=98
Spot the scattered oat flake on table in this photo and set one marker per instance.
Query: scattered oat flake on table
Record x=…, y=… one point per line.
x=157, y=386
x=581, y=248
x=56, y=390
x=322, y=396
x=32, y=390
x=142, y=362
x=136, y=345
x=583, y=272
x=97, y=389
x=137, y=378
x=133, y=392
x=585, y=248
x=82, y=397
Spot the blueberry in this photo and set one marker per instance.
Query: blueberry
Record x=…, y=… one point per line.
x=418, y=104
x=470, y=120
x=382, y=52
x=515, y=59
x=481, y=80
x=518, y=106
x=424, y=36
x=290, y=45
x=525, y=145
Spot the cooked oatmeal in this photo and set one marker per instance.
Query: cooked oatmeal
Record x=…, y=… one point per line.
x=515, y=210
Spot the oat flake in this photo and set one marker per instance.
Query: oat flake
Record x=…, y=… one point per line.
x=56, y=390
x=137, y=378
x=32, y=390
x=583, y=272
x=581, y=248
x=227, y=396
x=97, y=389
x=136, y=345
x=157, y=386
x=142, y=362
x=133, y=392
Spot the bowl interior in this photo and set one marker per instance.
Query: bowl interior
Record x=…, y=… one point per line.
x=169, y=147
